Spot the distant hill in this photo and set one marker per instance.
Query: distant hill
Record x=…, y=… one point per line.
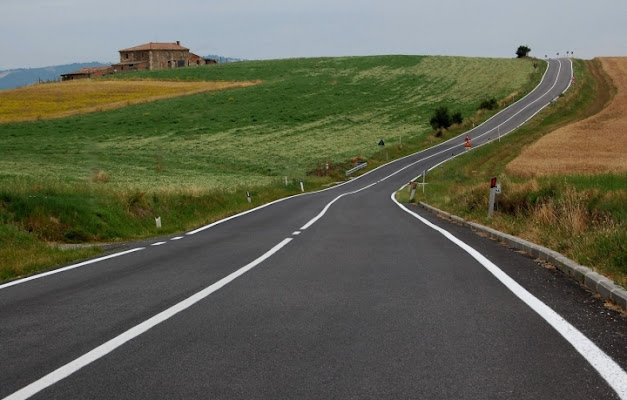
x=14, y=78
x=222, y=59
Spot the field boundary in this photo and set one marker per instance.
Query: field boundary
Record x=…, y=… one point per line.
x=593, y=281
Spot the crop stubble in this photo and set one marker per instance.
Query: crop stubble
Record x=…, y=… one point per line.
x=597, y=144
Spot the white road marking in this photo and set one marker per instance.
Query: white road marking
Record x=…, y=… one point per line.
x=326, y=208
x=69, y=267
x=177, y=238
x=296, y=233
x=613, y=374
x=106, y=348
x=158, y=243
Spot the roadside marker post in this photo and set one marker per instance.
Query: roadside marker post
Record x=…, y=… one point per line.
x=285, y=180
x=302, y=188
x=492, y=196
x=158, y=222
x=248, y=197
x=413, y=191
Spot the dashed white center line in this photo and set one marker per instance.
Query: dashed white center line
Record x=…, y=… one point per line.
x=296, y=233
x=158, y=244
x=177, y=238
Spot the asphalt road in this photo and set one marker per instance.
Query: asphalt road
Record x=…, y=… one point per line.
x=335, y=294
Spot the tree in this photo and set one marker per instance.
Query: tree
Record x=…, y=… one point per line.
x=441, y=118
x=522, y=51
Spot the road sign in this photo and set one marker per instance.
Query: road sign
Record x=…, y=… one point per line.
x=381, y=143
x=493, y=182
x=497, y=188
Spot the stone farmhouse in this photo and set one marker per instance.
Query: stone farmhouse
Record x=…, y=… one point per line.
x=149, y=56
x=153, y=56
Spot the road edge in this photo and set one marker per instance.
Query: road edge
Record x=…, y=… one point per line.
x=593, y=281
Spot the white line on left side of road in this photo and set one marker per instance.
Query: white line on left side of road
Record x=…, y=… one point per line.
x=106, y=348
x=69, y=267
x=613, y=374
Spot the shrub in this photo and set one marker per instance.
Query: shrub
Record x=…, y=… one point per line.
x=489, y=104
x=441, y=119
x=457, y=117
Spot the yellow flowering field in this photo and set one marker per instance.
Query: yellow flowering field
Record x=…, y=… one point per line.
x=62, y=99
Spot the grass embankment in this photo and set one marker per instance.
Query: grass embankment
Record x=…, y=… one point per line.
x=580, y=216
x=105, y=176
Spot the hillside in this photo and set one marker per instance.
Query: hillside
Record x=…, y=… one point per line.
x=14, y=78
x=104, y=176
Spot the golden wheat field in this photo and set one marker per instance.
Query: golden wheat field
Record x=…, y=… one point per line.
x=597, y=144
x=62, y=99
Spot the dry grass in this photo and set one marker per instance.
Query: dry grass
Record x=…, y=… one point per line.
x=594, y=145
x=62, y=99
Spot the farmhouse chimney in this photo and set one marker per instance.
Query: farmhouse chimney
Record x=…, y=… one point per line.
x=178, y=42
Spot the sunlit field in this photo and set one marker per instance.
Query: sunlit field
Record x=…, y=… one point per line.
x=62, y=99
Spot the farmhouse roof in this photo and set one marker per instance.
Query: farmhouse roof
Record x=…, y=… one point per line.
x=86, y=71
x=93, y=69
x=156, y=46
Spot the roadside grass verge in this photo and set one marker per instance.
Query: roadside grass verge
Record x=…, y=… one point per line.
x=105, y=176
x=580, y=216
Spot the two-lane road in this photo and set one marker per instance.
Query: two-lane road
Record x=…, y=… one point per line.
x=335, y=294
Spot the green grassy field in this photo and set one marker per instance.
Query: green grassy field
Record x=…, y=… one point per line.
x=104, y=176
x=582, y=217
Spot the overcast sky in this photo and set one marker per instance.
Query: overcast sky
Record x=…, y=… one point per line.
x=36, y=33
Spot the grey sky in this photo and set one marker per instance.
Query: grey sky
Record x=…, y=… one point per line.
x=35, y=33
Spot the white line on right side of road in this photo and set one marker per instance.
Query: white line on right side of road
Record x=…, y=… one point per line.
x=106, y=348
x=613, y=374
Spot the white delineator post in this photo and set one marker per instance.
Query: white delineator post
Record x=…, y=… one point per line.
x=413, y=191
x=424, y=174
x=492, y=196
x=248, y=196
x=302, y=188
x=158, y=222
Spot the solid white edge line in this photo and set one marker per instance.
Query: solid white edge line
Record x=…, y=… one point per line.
x=69, y=267
x=106, y=348
x=613, y=374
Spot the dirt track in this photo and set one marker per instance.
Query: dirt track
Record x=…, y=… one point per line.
x=597, y=144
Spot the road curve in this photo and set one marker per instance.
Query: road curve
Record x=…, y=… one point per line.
x=334, y=294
